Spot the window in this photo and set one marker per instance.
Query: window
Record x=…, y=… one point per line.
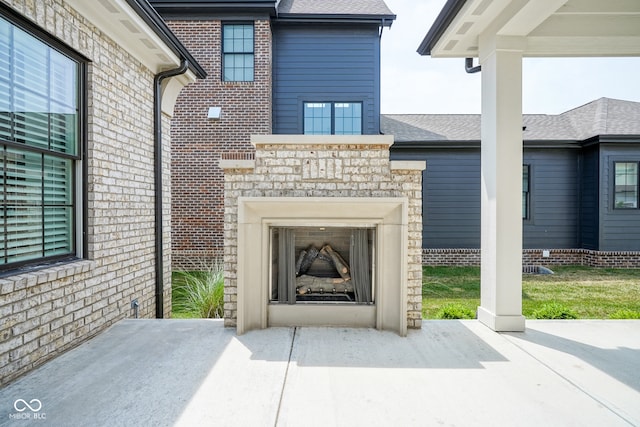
x=525, y=192
x=333, y=118
x=39, y=140
x=237, y=52
x=626, y=185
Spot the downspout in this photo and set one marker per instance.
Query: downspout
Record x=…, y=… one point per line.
x=469, y=68
x=157, y=142
x=383, y=21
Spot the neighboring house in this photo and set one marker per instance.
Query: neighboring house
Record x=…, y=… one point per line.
x=580, y=183
x=287, y=67
x=80, y=85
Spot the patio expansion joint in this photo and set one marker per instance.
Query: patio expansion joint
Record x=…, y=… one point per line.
x=286, y=373
x=568, y=380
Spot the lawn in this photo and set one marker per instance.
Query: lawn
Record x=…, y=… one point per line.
x=590, y=293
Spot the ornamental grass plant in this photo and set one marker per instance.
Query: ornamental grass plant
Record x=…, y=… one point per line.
x=198, y=292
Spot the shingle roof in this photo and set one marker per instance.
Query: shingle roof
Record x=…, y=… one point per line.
x=604, y=116
x=335, y=7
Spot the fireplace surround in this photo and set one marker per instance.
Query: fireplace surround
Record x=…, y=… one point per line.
x=322, y=193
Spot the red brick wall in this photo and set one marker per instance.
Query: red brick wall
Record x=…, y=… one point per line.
x=198, y=143
x=471, y=257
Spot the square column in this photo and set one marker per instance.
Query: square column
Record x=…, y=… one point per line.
x=501, y=186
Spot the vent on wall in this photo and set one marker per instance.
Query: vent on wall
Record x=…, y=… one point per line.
x=535, y=269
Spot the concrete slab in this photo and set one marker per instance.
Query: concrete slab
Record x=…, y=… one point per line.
x=599, y=358
x=158, y=373
x=457, y=373
x=450, y=373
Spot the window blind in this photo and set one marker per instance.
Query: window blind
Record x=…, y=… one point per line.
x=39, y=140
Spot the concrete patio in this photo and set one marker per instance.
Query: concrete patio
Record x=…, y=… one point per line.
x=454, y=373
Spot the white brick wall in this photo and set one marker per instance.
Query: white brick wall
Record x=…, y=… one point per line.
x=50, y=310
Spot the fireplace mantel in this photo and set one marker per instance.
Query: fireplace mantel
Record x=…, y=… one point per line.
x=257, y=214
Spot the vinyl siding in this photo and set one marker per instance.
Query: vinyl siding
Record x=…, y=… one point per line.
x=325, y=63
x=589, y=196
x=451, y=197
x=553, y=222
x=619, y=228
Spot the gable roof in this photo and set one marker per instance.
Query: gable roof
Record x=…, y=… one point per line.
x=604, y=116
x=375, y=11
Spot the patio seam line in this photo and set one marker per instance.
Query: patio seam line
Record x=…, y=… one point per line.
x=546, y=365
x=286, y=374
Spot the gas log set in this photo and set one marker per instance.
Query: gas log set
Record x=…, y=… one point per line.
x=308, y=284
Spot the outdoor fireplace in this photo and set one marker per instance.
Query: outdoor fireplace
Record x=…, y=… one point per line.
x=322, y=231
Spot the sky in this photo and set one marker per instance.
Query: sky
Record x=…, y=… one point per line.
x=420, y=84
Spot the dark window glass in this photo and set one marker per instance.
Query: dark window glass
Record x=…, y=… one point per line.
x=237, y=52
x=525, y=192
x=626, y=185
x=332, y=118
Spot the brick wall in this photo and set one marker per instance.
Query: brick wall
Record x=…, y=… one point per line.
x=49, y=310
x=340, y=170
x=198, y=143
x=471, y=257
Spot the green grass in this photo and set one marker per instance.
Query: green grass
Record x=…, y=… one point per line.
x=589, y=293
x=198, y=293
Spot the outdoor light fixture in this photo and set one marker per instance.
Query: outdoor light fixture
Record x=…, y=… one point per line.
x=214, y=113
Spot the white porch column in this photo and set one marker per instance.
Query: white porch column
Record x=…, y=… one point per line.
x=501, y=186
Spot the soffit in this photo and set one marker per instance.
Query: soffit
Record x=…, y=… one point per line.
x=549, y=28
x=122, y=24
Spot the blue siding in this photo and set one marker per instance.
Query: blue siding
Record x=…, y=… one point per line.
x=451, y=197
x=589, y=199
x=316, y=62
x=619, y=228
x=553, y=222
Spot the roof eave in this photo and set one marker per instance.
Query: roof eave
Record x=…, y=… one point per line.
x=551, y=143
x=440, y=25
x=173, y=10
x=440, y=143
x=475, y=143
x=384, y=20
x=160, y=28
x=613, y=139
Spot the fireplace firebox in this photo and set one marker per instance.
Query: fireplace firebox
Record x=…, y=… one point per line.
x=322, y=265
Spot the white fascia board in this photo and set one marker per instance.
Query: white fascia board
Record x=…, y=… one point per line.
x=554, y=28
x=460, y=40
